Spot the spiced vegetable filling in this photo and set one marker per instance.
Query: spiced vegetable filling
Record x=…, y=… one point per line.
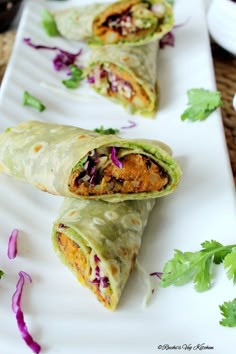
x=87, y=267
x=110, y=170
x=131, y=20
x=110, y=80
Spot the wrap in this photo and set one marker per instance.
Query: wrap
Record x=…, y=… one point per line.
x=100, y=241
x=74, y=162
x=127, y=75
x=132, y=22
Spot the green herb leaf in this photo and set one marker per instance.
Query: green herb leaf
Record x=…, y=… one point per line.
x=80, y=164
x=196, y=266
x=49, y=24
x=29, y=100
x=76, y=77
x=202, y=103
x=1, y=274
x=107, y=131
x=187, y=266
x=230, y=265
x=213, y=245
x=228, y=311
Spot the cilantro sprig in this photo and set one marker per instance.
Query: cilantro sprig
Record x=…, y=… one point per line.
x=107, y=131
x=228, y=311
x=30, y=100
x=201, y=104
x=197, y=267
x=48, y=23
x=76, y=77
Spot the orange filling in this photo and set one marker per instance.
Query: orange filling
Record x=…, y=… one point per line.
x=138, y=174
x=138, y=92
x=78, y=262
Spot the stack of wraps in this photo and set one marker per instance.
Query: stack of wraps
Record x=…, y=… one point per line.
x=124, y=38
x=99, y=241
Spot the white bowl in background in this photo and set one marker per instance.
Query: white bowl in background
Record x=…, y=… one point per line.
x=221, y=18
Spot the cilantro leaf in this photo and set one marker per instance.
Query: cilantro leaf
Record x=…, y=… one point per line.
x=202, y=103
x=195, y=266
x=218, y=256
x=230, y=265
x=187, y=266
x=178, y=270
x=202, y=278
x=48, y=23
x=75, y=79
x=29, y=100
x=228, y=311
x=107, y=131
x=1, y=273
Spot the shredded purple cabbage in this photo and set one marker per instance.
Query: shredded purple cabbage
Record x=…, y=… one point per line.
x=16, y=307
x=96, y=259
x=96, y=281
x=132, y=125
x=97, y=271
x=157, y=274
x=104, y=282
x=91, y=80
x=89, y=174
x=12, y=244
x=100, y=281
x=114, y=158
x=167, y=39
x=62, y=60
x=37, y=46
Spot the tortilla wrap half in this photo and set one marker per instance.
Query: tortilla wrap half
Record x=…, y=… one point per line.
x=74, y=162
x=131, y=22
x=100, y=241
x=127, y=75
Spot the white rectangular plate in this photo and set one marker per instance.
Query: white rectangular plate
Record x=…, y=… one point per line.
x=63, y=316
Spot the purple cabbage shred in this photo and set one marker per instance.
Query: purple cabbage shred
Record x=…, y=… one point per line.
x=62, y=60
x=12, y=244
x=114, y=158
x=16, y=307
x=132, y=125
x=100, y=281
x=157, y=274
x=91, y=80
x=167, y=39
x=96, y=259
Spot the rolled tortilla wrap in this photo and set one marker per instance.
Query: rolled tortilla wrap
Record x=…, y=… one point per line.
x=132, y=22
x=100, y=241
x=70, y=161
x=127, y=75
